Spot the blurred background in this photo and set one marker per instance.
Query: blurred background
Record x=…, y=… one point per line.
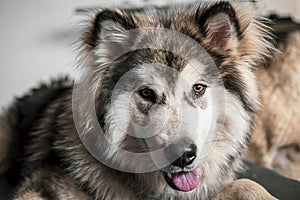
x=34, y=37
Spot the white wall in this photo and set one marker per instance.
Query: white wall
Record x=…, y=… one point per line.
x=282, y=7
x=29, y=51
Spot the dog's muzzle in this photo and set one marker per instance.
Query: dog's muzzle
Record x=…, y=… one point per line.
x=181, y=176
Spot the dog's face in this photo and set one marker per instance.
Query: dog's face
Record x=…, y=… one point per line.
x=185, y=107
x=175, y=112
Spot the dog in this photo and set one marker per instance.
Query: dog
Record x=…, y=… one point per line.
x=275, y=140
x=163, y=108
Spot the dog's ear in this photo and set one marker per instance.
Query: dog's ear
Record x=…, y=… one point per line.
x=219, y=26
x=108, y=34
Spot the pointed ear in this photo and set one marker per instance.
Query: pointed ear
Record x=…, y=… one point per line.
x=220, y=26
x=108, y=34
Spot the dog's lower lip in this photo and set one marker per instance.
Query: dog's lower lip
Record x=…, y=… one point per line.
x=167, y=176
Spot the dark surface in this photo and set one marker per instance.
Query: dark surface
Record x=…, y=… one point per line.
x=277, y=185
x=5, y=188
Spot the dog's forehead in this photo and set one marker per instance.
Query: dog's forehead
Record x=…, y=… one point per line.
x=159, y=74
x=194, y=71
x=166, y=17
x=156, y=73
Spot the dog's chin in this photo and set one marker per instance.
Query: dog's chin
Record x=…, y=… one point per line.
x=184, y=181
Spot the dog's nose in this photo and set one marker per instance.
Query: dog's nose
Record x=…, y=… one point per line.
x=187, y=157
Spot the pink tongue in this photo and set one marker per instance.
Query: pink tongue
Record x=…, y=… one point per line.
x=186, y=181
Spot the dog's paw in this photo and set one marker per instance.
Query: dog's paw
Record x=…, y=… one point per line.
x=244, y=189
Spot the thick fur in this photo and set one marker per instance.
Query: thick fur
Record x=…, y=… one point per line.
x=276, y=139
x=234, y=37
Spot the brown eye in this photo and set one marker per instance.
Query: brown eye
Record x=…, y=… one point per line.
x=199, y=89
x=148, y=94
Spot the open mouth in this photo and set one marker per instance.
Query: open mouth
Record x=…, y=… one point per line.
x=183, y=181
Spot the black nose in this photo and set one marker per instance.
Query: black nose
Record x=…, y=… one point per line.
x=187, y=157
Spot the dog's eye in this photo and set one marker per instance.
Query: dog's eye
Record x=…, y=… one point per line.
x=148, y=94
x=199, y=89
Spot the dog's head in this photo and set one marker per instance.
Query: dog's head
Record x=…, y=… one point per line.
x=174, y=89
